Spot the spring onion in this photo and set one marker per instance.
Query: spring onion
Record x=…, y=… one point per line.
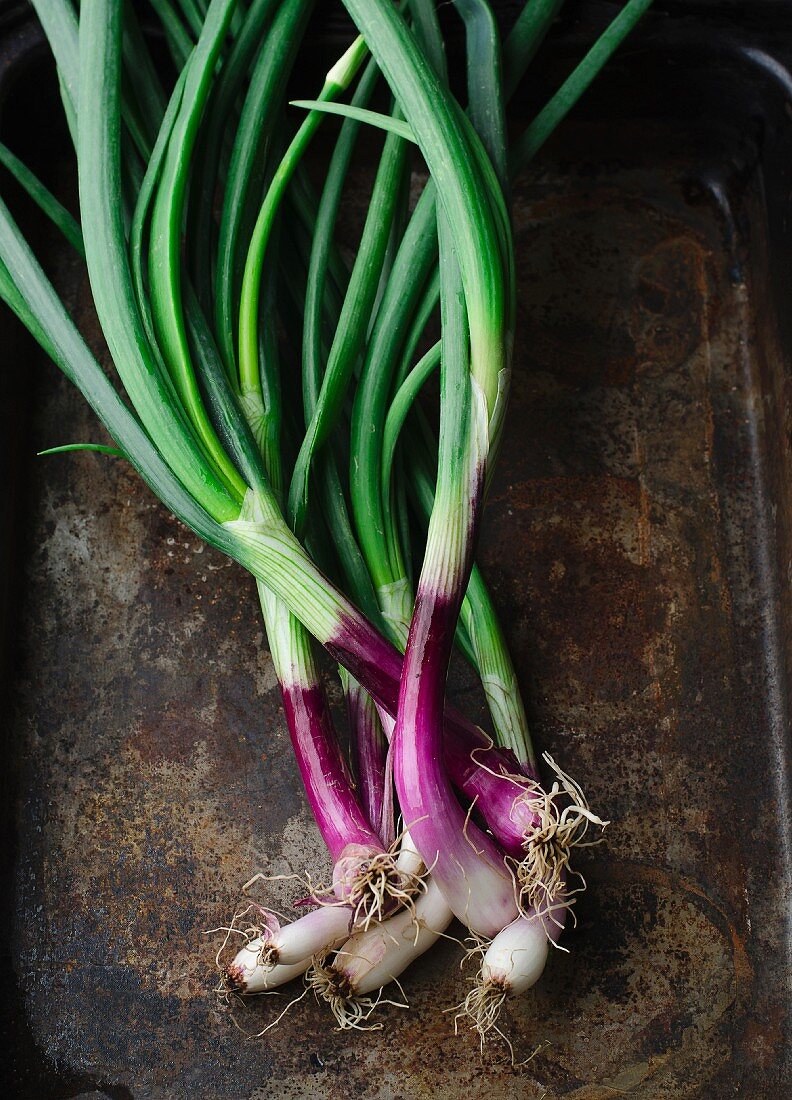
x=271, y=399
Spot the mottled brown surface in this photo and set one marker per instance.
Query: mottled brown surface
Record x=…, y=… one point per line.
x=624, y=544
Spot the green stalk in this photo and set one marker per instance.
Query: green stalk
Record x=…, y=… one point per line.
x=14, y=298
x=374, y=516
x=250, y=376
x=60, y=26
x=246, y=169
x=576, y=84
x=165, y=247
x=524, y=39
x=180, y=44
x=446, y=144
x=400, y=407
x=323, y=223
x=42, y=312
x=339, y=78
x=144, y=79
x=427, y=30
x=305, y=202
x=210, y=163
x=356, y=579
x=224, y=409
x=411, y=270
x=140, y=220
x=485, y=89
x=352, y=323
x=108, y=265
x=44, y=199
x=193, y=16
x=496, y=670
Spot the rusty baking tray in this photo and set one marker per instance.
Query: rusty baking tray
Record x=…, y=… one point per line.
x=638, y=541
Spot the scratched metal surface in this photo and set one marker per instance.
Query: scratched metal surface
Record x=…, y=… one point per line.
x=634, y=539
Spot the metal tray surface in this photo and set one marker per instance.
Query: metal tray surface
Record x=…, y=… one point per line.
x=638, y=544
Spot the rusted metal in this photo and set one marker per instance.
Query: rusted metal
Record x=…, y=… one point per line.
x=637, y=543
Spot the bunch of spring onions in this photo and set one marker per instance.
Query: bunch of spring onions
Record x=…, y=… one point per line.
x=269, y=394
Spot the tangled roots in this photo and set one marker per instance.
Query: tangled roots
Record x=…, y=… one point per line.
x=482, y=1008
x=378, y=888
x=351, y=1011
x=563, y=821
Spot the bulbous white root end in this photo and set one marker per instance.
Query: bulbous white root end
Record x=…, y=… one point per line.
x=564, y=820
x=353, y=983
x=259, y=928
x=250, y=968
x=285, y=951
x=374, y=884
x=244, y=976
x=513, y=962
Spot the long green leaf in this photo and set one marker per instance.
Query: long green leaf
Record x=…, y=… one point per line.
x=446, y=148
x=248, y=162
x=217, y=130
x=44, y=199
x=69, y=448
x=108, y=265
x=166, y=231
x=388, y=123
x=576, y=84
x=32, y=297
x=352, y=322
x=485, y=88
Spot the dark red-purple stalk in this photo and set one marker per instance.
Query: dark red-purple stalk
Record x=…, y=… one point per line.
x=328, y=784
x=371, y=753
x=465, y=861
x=476, y=766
